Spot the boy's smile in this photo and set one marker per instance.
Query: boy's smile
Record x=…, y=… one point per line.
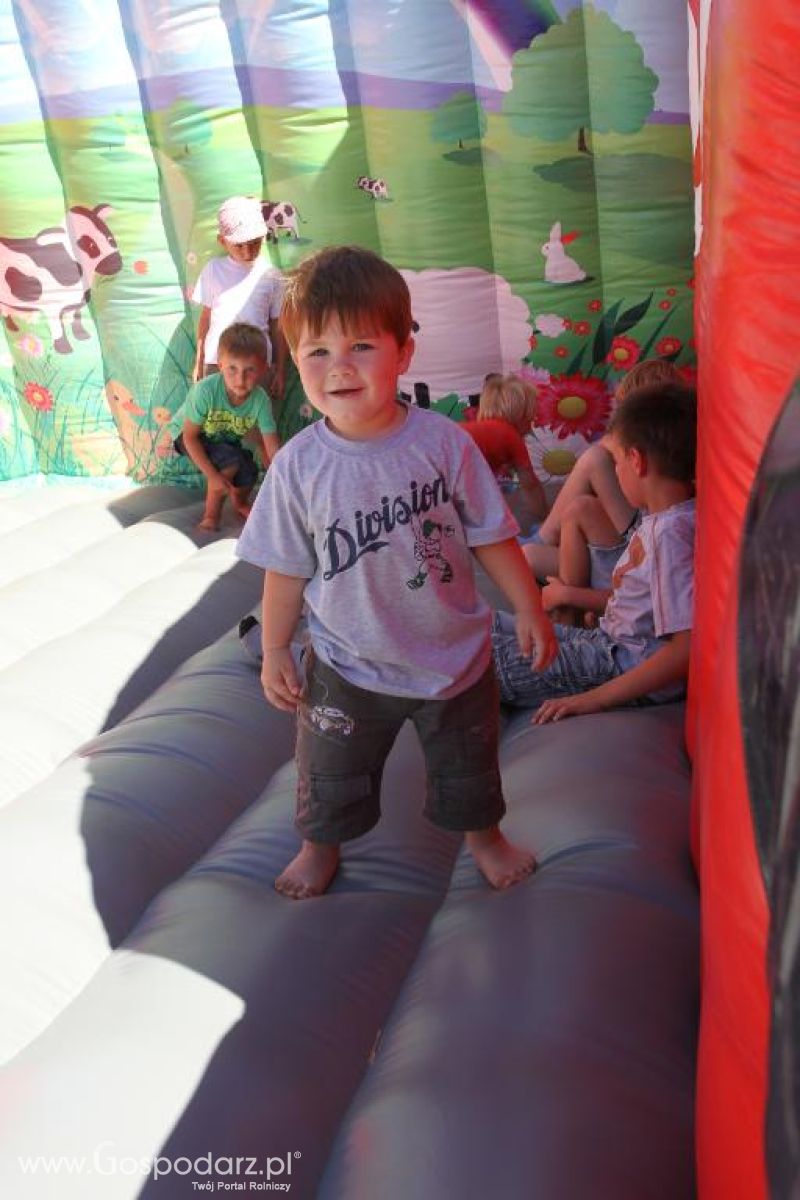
x=351, y=378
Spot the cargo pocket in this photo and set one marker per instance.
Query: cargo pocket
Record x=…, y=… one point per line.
x=465, y=803
x=338, y=807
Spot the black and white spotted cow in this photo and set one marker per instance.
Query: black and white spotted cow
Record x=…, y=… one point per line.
x=280, y=217
x=374, y=187
x=53, y=272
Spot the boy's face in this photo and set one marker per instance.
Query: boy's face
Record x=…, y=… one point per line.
x=240, y=373
x=628, y=465
x=350, y=376
x=242, y=252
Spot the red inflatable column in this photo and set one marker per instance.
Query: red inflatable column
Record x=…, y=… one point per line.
x=748, y=333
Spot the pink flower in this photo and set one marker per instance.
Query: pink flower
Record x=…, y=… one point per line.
x=40, y=398
x=31, y=345
x=574, y=404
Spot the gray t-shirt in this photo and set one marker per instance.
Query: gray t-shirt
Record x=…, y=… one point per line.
x=382, y=531
x=653, y=586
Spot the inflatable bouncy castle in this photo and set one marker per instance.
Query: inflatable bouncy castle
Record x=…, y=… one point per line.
x=567, y=188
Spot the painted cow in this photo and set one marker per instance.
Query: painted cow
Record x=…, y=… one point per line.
x=374, y=187
x=53, y=272
x=280, y=217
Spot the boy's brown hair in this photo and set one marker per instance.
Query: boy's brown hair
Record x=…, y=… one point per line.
x=244, y=341
x=661, y=422
x=365, y=292
x=507, y=398
x=649, y=372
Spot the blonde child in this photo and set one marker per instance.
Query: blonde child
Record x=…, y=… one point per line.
x=240, y=287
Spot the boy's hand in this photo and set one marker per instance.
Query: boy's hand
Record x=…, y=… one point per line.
x=536, y=638
x=279, y=679
x=555, y=593
x=567, y=706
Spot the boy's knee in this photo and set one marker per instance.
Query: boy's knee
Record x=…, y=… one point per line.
x=582, y=509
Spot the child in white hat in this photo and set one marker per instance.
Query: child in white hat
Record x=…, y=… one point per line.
x=242, y=286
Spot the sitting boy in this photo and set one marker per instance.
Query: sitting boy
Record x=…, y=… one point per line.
x=640, y=651
x=219, y=412
x=370, y=518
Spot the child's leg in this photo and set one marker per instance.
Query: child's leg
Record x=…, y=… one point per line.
x=593, y=474
x=241, y=501
x=344, y=735
x=584, y=661
x=542, y=560
x=585, y=523
x=460, y=738
x=215, y=498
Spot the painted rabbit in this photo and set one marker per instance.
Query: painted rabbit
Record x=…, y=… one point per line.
x=559, y=267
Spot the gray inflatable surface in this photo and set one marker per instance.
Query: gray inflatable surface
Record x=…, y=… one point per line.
x=412, y=1033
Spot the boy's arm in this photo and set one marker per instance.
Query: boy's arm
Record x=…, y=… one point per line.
x=281, y=609
x=533, y=494
x=270, y=445
x=505, y=565
x=556, y=593
x=202, y=332
x=279, y=352
x=194, y=448
x=668, y=665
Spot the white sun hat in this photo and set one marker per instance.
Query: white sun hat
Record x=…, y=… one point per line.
x=240, y=219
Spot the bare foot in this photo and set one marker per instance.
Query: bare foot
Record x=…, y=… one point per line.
x=501, y=863
x=309, y=872
x=208, y=524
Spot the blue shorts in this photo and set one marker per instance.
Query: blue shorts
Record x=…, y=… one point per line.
x=585, y=660
x=226, y=454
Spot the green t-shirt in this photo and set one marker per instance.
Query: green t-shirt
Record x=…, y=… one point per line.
x=208, y=406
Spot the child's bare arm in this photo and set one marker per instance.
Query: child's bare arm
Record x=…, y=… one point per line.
x=279, y=354
x=270, y=445
x=533, y=494
x=281, y=609
x=194, y=448
x=202, y=333
x=505, y=565
x=556, y=593
x=668, y=665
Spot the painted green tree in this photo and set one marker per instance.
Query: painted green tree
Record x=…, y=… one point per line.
x=553, y=94
x=460, y=119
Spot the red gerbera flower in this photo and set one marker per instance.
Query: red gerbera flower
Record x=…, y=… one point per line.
x=573, y=404
x=40, y=398
x=668, y=345
x=561, y=351
x=594, y=305
x=582, y=328
x=624, y=353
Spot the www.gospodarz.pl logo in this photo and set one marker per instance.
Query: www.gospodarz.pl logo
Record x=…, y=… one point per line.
x=207, y=1172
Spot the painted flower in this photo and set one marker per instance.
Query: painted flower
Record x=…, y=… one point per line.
x=582, y=328
x=5, y=424
x=574, y=404
x=561, y=351
x=161, y=415
x=594, y=305
x=534, y=375
x=668, y=346
x=689, y=375
x=128, y=404
x=624, y=353
x=31, y=345
x=549, y=325
x=551, y=457
x=141, y=267
x=40, y=398
x=672, y=291
x=665, y=305
x=191, y=257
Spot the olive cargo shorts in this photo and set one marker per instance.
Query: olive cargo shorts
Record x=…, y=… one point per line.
x=345, y=733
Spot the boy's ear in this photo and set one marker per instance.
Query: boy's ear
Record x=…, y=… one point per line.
x=638, y=461
x=406, y=354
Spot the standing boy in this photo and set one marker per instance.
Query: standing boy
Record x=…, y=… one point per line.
x=219, y=412
x=240, y=287
x=370, y=517
x=640, y=650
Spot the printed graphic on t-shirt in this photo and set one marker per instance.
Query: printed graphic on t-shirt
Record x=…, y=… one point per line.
x=368, y=532
x=428, y=552
x=634, y=558
x=219, y=423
